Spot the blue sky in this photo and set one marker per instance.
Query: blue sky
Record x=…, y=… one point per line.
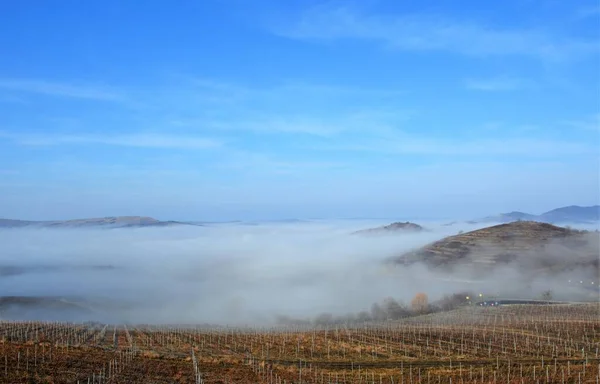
x=215, y=110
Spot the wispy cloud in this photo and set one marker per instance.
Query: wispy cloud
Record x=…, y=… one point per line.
x=264, y=124
x=429, y=32
x=290, y=107
x=588, y=12
x=497, y=84
x=363, y=122
x=12, y=99
x=591, y=123
x=144, y=140
x=411, y=145
x=91, y=92
x=269, y=163
x=8, y=172
x=289, y=86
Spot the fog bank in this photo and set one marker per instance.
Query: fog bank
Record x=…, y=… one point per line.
x=225, y=273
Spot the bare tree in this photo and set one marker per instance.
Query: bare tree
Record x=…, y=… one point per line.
x=547, y=295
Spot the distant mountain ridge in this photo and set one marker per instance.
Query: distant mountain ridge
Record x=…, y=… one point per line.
x=570, y=214
x=565, y=215
x=100, y=222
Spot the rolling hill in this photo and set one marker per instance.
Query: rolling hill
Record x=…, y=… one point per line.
x=397, y=227
x=532, y=245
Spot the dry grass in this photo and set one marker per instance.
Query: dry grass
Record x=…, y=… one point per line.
x=521, y=241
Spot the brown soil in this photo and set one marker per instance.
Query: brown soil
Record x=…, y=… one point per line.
x=520, y=344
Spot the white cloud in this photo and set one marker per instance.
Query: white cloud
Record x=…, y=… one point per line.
x=407, y=145
x=289, y=107
x=262, y=163
x=148, y=140
x=313, y=126
x=588, y=12
x=290, y=87
x=421, y=32
x=61, y=89
x=591, y=123
x=9, y=98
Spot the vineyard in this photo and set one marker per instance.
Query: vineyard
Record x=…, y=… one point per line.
x=509, y=344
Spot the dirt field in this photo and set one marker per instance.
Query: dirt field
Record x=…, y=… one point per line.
x=510, y=344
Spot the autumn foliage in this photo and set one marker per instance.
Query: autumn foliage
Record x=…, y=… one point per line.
x=420, y=303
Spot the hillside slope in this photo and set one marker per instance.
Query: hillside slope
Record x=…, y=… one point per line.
x=530, y=244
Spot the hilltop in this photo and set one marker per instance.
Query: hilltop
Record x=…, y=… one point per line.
x=391, y=228
x=529, y=243
x=102, y=222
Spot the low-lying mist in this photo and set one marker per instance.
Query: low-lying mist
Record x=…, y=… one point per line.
x=233, y=273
